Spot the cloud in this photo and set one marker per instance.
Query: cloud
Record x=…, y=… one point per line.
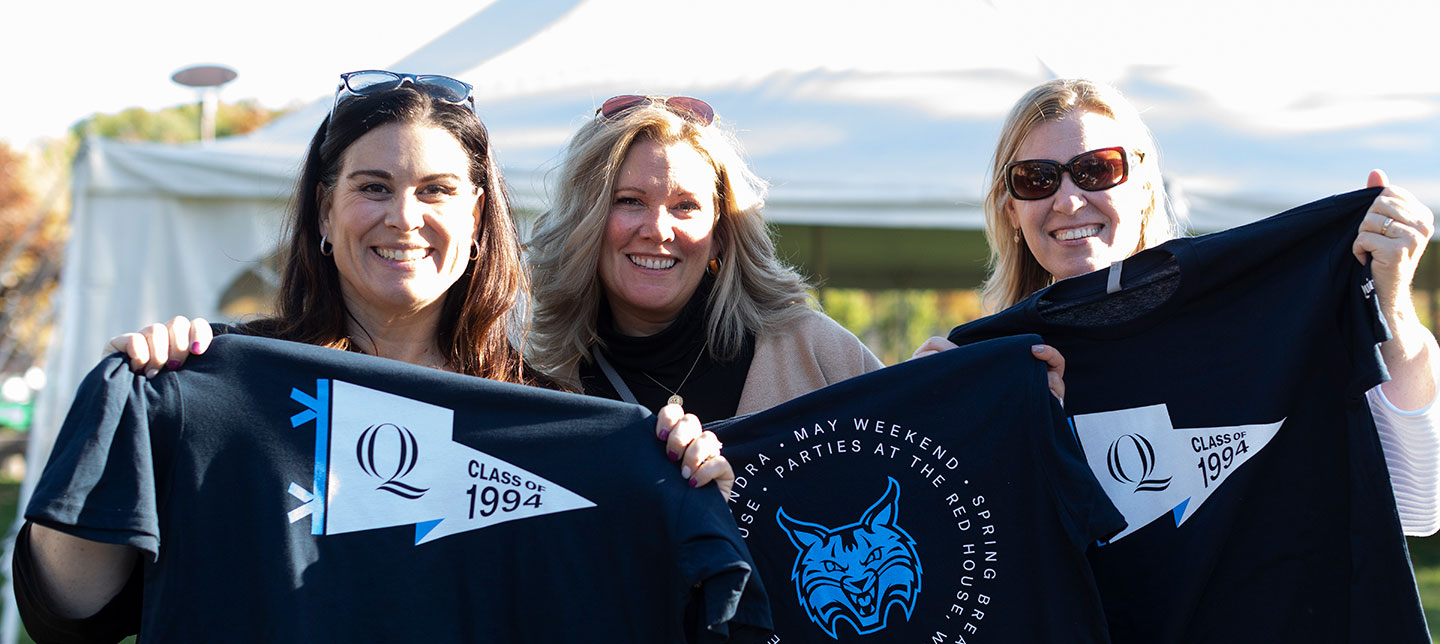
x=789, y=137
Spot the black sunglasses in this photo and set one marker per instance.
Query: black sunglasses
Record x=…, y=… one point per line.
x=1091, y=171
x=375, y=81
x=691, y=108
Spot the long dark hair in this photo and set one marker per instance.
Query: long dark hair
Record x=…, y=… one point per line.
x=479, y=323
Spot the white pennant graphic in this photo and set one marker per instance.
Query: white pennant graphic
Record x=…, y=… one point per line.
x=1150, y=469
x=383, y=460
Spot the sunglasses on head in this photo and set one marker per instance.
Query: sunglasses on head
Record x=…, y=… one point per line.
x=1091, y=171
x=691, y=108
x=376, y=81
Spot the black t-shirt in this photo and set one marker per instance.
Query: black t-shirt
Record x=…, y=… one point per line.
x=939, y=500
x=285, y=492
x=1219, y=396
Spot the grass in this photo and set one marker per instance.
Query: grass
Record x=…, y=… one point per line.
x=1425, y=553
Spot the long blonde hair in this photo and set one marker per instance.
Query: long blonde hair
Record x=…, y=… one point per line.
x=754, y=291
x=1014, y=271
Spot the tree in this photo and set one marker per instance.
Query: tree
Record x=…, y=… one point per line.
x=175, y=124
x=34, y=204
x=32, y=240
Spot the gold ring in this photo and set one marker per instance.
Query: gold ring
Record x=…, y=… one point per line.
x=1386, y=227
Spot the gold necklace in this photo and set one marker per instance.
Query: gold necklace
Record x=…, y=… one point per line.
x=675, y=397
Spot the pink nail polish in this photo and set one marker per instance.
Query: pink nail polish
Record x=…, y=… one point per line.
x=664, y=434
x=692, y=482
x=673, y=456
x=172, y=365
x=195, y=348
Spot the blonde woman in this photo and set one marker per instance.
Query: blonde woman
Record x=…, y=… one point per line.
x=1036, y=242
x=1075, y=186
x=656, y=279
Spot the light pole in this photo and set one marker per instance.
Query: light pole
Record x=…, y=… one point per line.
x=207, y=79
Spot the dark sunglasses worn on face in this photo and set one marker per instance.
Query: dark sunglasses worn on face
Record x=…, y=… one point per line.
x=375, y=81
x=1091, y=171
x=693, y=109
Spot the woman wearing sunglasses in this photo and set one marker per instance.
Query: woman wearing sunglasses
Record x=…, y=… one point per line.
x=656, y=280
x=400, y=244
x=1076, y=185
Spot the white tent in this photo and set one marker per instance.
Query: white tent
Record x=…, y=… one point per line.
x=878, y=116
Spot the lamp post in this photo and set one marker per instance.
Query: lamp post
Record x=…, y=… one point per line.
x=207, y=79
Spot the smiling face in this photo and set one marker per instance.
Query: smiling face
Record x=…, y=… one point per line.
x=401, y=217
x=1073, y=232
x=658, y=234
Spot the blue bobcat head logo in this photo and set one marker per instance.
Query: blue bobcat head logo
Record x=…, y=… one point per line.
x=855, y=572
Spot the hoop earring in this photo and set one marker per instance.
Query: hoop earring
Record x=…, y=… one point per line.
x=323, y=243
x=474, y=250
x=713, y=266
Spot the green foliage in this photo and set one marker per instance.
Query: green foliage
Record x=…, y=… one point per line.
x=1425, y=554
x=32, y=242
x=893, y=322
x=175, y=124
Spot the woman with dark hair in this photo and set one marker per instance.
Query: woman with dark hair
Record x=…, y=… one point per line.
x=399, y=244
x=426, y=271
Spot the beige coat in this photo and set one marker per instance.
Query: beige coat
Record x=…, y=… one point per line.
x=805, y=355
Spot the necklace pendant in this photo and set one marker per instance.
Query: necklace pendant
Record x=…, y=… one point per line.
x=676, y=400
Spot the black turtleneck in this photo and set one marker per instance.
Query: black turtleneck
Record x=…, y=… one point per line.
x=712, y=391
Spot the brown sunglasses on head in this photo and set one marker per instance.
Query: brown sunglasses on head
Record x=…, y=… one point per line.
x=691, y=108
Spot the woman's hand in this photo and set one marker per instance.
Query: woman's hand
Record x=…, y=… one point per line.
x=697, y=450
x=1054, y=362
x=1393, y=235
x=162, y=345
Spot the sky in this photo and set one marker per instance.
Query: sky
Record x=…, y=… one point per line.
x=119, y=55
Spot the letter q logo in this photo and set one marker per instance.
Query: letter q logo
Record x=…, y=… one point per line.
x=1132, y=461
x=389, y=452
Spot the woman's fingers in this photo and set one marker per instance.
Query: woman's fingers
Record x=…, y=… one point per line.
x=703, y=464
x=1054, y=368
x=934, y=345
x=705, y=447
x=1392, y=237
x=158, y=337
x=697, y=451
x=716, y=470
x=179, y=331
x=666, y=420
x=685, y=431
x=162, y=346
x=135, y=348
x=200, y=336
